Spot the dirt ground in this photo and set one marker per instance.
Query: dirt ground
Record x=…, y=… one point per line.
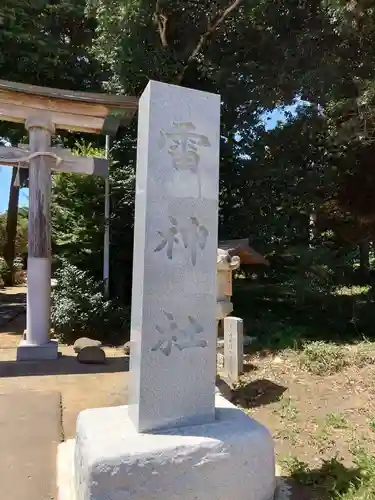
x=311, y=417
x=81, y=386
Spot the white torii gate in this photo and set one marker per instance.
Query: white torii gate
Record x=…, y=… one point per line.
x=43, y=110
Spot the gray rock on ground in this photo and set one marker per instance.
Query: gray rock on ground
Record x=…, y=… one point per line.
x=127, y=348
x=92, y=355
x=82, y=342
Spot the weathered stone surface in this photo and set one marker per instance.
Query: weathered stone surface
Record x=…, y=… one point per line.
x=91, y=355
x=32, y=352
x=233, y=347
x=229, y=458
x=82, y=342
x=173, y=326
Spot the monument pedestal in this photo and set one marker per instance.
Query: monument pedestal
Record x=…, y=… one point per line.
x=232, y=457
x=35, y=352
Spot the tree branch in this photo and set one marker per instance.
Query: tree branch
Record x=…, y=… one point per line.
x=211, y=28
x=162, y=21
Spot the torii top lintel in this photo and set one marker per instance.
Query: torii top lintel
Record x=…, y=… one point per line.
x=70, y=110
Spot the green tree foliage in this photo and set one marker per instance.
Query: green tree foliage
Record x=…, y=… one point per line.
x=43, y=43
x=229, y=47
x=21, y=238
x=78, y=215
x=258, y=55
x=47, y=43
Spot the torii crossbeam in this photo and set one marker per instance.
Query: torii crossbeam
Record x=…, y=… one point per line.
x=43, y=110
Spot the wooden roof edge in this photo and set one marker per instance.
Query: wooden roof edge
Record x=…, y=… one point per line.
x=110, y=100
x=243, y=249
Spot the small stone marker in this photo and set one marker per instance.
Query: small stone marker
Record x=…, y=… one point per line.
x=91, y=355
x=82, y=342
x=173, y=327
x=233, y=347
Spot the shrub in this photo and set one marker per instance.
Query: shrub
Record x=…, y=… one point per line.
x=80, y=309
x=3, y=269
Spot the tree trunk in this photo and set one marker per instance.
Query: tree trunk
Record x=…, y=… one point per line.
x=364, y=260
x=11, y=229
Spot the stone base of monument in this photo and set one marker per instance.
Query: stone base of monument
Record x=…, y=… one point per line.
x=230, y=458
x=33, y=352
x=65, y=471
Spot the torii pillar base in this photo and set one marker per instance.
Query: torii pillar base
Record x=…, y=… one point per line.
x=34, y=352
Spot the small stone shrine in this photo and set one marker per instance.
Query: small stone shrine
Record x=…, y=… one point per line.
x=225, y=265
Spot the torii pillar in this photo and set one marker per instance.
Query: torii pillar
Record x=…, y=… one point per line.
x=39, y=244
x=43, y=110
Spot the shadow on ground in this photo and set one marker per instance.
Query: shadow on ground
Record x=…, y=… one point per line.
x=15, y=325
x=11, y=306
x=325, y=483
x=65, y=365
x=256, y=393
x=12, y=298
x=259, y=392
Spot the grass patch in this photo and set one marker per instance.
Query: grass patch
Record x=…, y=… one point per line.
x=325, y=358
x=333, y=480
x=287, y=410
x=289, y=433
x=364, y=487
x=323, y=439
x=336, y=421
x=332, y=477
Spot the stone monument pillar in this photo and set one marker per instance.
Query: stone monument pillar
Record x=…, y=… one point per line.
x=174, y=440
x=174, y=273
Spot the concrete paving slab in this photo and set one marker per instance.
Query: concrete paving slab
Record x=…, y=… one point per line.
x=30, y=431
